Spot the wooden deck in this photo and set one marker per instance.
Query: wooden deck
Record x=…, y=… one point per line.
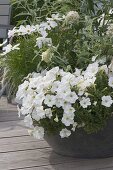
x=18, y=151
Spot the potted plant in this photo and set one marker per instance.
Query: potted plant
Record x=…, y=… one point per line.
x=70, y=95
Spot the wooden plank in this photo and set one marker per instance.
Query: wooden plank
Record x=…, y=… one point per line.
x=8, y=113
x=4, y=2
x=29, y=158
x=67, y=166
x=6, y=106
x=16, y=125
x=23, y=146
x=17, y=140
x=4, y=9
x=45, y=158
x=74, y=165
x=56, y=160
x=13, y=133
x=12, y=128
x=10, y=118
x=7, y=129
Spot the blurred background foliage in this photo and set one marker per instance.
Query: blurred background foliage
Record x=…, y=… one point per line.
x=32, y=11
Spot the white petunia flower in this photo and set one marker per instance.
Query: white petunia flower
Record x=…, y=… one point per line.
x=10, y=48
x=38, y=99
x=48, y=113
x=40, y=41
x=28, y=102
x=110, y=83
x=68, y=119
x=28, y=121
x=12, y=32
x=62, y=103
x=38, y=113
x=71, y=97
x=51, y=74
x=55, y=86
x=50, y=100
x=21, y=30
x=30, y=29
x=63, y=91
x=86, y=83
x=92, y=69
x=42, y=29
x=24, y=110
x=43, y=32
x=69, y=79
x=51, y=22
x=85, y=102
x=69, y=109
x=65, y=133
x=22, y=90
x=107, y=101
x=38, y=132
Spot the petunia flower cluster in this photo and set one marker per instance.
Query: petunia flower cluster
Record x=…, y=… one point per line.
x=43, y=95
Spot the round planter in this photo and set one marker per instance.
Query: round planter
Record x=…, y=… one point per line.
x=83, y=145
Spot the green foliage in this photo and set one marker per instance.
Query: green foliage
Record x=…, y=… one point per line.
x=77, y=44
x=26, y=11
x=73, y=46
x=96, y=116
x=32, y=11
x=20, y=63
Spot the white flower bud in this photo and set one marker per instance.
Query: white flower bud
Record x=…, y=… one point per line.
x=72, y=17
x=47, y=56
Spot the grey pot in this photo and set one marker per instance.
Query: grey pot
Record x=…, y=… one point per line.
x=83, y=145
